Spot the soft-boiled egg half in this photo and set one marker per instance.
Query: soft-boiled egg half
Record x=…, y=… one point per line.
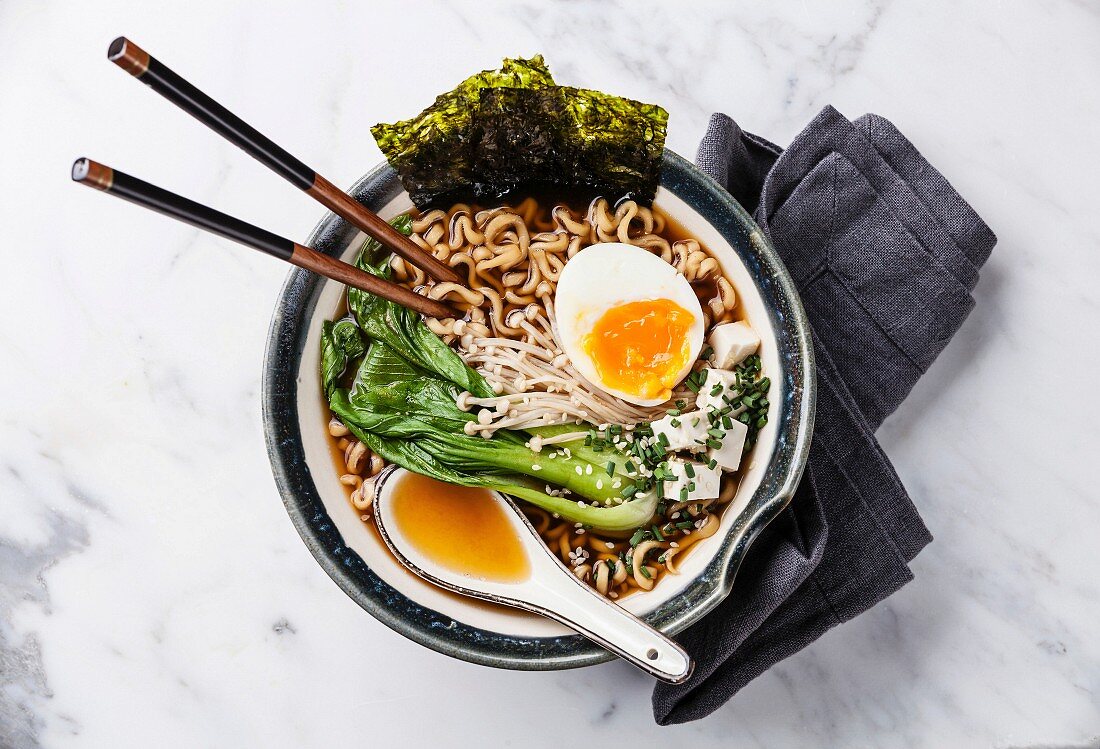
x=628, y=321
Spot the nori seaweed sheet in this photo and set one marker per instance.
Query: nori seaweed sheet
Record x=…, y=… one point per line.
x=523, y=131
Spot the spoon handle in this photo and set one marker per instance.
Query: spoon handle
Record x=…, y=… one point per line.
x=615, y=628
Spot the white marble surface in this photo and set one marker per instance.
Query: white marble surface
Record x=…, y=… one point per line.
x=152, y=589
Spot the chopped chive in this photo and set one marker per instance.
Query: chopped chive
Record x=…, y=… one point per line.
x=674, y=422
x=681, y=405
x=663, y=439
x=657, y=533
x=716, y=433
x=716, y=389
x=645, y=572
x=637, y=537
x=712, y=464
x=631, y=467
x=707, y=352
x=684, y=494
x=689, y=469
x=714, y=444
x=674, y=412
x=629, y=490
x=685, y=525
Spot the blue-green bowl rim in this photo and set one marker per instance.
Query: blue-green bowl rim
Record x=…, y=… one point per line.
x=286, y=341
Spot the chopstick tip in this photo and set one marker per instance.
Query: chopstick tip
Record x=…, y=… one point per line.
x=80, y=169
x=116, y=48
x=92, y=173
x=128, y=56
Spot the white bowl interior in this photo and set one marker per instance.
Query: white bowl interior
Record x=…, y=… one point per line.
x=313, y=415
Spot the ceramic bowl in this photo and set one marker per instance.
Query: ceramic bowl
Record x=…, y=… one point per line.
x=350, y=551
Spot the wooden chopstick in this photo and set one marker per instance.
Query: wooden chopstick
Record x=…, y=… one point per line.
x=93, y=174
x=166, y=82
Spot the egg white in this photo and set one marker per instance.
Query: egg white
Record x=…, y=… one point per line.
x=607, y=275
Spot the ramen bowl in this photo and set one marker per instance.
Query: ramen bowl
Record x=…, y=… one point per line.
x=350, y=550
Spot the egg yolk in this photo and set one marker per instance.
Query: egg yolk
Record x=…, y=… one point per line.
x=640, y=347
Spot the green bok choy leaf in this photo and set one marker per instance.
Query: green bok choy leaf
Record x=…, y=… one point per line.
x=402, y=405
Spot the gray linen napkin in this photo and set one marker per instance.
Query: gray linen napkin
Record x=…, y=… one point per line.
x=885, y=254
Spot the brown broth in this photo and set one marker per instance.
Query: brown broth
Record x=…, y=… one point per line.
x=463, y=529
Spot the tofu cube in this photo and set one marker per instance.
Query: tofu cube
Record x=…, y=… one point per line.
x=683, y=432
x=717, y=385
x=733, y=342
x=703, y=483
x=728, y=456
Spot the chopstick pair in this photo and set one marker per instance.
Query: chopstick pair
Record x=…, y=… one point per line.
x=166, y=82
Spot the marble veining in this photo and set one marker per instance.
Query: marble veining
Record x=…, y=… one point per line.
x=153, y=591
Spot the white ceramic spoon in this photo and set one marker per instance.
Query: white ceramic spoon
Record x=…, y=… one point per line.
x=550, y=589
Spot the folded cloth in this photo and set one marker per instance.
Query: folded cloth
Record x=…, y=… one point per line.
x=885, y=254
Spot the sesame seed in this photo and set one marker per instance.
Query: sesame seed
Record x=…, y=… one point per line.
x=588, y=469
x=536, y=467
x=579, y=471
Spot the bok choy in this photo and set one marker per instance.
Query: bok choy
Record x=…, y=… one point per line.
x=402, y=405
